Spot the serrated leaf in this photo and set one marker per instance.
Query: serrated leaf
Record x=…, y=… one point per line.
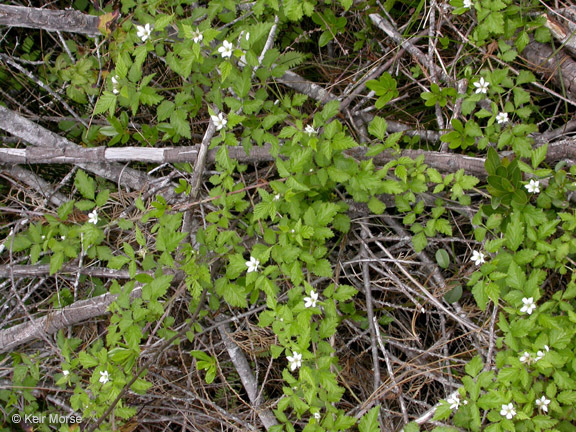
x=56, y=262
x=85, y=184
x=376, y=206
x=538, y=155
x=86, y=360
x=330, y=110
x=162, y=21
x=179, y=121
x=515, y=232
x=369, y=422
x=344, y=293
x=516, y=276
x=442, y=412
x=378, y=127
x=419, y=241
x=106, y=102
x=479, y=294
x=322, y=268
x=474, y=366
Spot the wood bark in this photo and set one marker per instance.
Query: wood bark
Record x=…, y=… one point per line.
x=50, y=20
x=39, y=270
x=47, y=140
x=446, y=162
x=555, y=66
x=49, y=324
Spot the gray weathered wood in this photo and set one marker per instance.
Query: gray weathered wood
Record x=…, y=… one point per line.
x=51, y=20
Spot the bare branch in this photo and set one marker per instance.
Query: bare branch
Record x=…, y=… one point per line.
x=50, y=20
x=246, y=376
x=49, y=324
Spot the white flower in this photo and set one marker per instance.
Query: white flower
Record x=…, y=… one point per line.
x=104, y=377
x=468, y=4
x=482, y=86
x=226, y=49
x=252, y=264
x=529, y=305
x=144, y=32
x=454, y=401
x=63, y=237
x=295, y=360
x=311, y=301
x=478, y=258
x=219, y=120
x=43, y=237
x=114, y=80
x=547, y=348
x=543, y=403
x=533, y=186
x=247, y=36
x=310, y=130
x=508, y=411
x=502, y=117
x=317, y=416
x=197, y=36
x=526, y=357
x=65, y=372
x=93, y=217
x=539, y=355
x=277, y=197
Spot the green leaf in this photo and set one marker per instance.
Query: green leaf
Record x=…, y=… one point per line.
x=492, y=161
x=412, y=427
x=179, y=120
x=376, y=206
x=515, y=233
x=442, y=258
x=344, y=293
x=479, y=294
x=538, y=155
x=56, y=262
x=454, y=295
x=516, y=276
x=330, y=110
x=162, y=21
x=442, y=412
x=157, y=288
x=322, y=268
x=107, y=102
x=378, y=128
x=140, y=386
x=567, y=397
x=369, y=422
x=419, y=241
x=234, y=295
x=85, y=184
x=86, y=360
x=474, y=366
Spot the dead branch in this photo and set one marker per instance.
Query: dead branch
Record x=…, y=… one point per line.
x=556, y=66
x=50, y=20
x=246, y=376
x=38, y=136
x=49, y=324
